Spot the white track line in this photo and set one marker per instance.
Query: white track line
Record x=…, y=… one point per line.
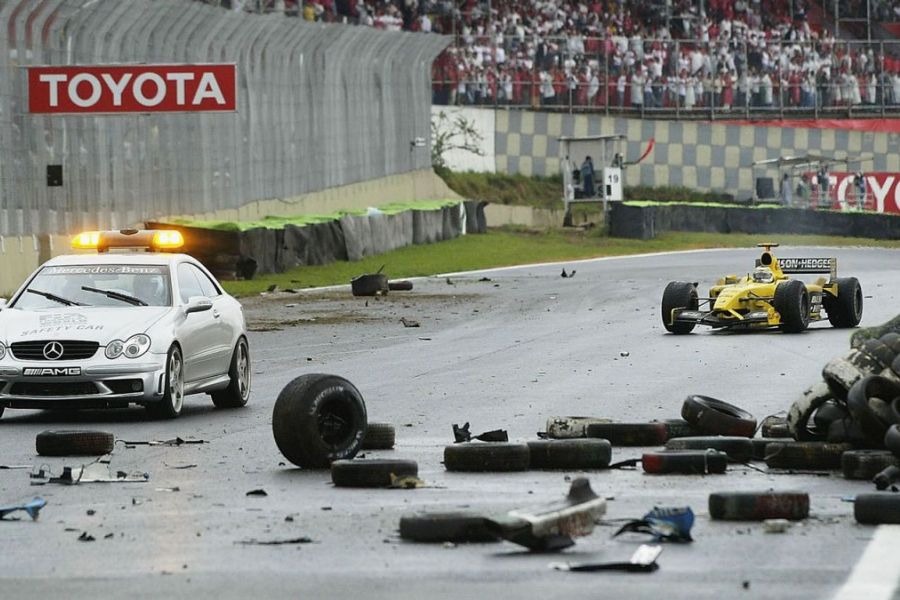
x=877, y=573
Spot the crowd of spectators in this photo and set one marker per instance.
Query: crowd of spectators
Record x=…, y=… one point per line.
x=640, y=54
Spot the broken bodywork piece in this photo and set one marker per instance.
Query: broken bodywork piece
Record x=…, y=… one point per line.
x=462, y=434
x=173, y=442
x=95, y=472
x=33, y=509
x=642, y=561
x=551, y=527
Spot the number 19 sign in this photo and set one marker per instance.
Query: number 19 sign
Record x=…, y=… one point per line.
x=132, y=88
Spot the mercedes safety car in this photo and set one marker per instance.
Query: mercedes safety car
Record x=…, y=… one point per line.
x=767, y=297
x=115, y=326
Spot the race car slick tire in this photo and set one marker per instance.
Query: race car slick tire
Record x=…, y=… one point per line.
x=74, y=443
x=318, y=419
x=845, y=310
x=371, y=473
x=758, y=506
x=239, y=375
x=172, y=401
x=866, y=464
x=629, y=434
x=678, y=294
x=715, y=417
x=738, y=449
x=792, y=303
x=814, y=456
x=802, y=411
x=570, y=454
x=877, y=508
x=379, y=436
x=456, y=527
x=859, y=397
x=485, y=457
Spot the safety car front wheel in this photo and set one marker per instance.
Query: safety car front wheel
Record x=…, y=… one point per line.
x=173, y=399
x=678, y=294
x=845, y=309
x=238, y=391
x=792, y=303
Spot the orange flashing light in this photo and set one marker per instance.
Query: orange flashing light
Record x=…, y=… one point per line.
x=86, y=240
x=167, y=239
x=101, y=241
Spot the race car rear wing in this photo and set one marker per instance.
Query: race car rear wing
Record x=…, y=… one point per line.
x=808, y=265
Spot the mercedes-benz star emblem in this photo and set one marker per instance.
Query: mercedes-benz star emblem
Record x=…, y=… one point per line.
x=53, y=350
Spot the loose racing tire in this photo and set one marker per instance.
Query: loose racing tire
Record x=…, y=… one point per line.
x=455, y=527
x=866, y=391
x=379, y=436
x=801, y=412
x=845, y=309
x=678, y=294
x=715, y=417
x=775, y=427
x=877, y=508
x=172, y=401
x=866, y=464
x=814, y=456
x=489, y=456
x=758, y=506
x=571, y=427
x=570, y=454
x=738, y=449
x=629, y=434
x=892, y=439
x=679, y=428
x=74, y=443
x=318, y=419
x=759, y=446
x=371, y=473
x=684, y=462
x=239, y=375
x=792, y=303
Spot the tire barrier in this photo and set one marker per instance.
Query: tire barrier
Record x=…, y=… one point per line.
x=758, y=506
x=646, y=222
x=349, y=238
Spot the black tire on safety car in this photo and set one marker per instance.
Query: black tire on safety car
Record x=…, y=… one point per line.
x=845, y=309
x=678, y=294
x=318, y=419
x=172, y=401
x=792, y=303
x=239, y=375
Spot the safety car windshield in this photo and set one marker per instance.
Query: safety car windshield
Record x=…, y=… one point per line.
x=76, y=284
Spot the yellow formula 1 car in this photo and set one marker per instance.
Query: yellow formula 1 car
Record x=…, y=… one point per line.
x=767, y=297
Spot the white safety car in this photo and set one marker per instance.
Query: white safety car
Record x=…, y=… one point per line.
x=117, y=326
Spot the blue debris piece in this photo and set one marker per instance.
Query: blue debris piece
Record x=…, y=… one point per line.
x=665, y=524
x=33, y=509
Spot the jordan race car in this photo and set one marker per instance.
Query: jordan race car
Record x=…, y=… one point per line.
x=767, y=297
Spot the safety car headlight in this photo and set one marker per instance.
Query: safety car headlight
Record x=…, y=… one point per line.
x=2, y=351
x=137, y=345
x=115, y=348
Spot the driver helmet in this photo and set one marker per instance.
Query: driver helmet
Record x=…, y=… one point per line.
x=763, y=275
x=150, y=289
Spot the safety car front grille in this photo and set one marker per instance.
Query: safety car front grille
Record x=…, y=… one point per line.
x=53, y=388
x=72, y=349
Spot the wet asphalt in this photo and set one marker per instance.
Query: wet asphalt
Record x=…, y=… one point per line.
x=501, y=349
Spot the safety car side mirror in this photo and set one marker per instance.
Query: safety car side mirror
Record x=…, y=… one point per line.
x=197, y=304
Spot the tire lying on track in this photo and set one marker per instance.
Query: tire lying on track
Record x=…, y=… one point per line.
x=877, y=508
x=629, y=434
x=845, y=310
x=814, y=456
x=318, y=419
x=571, y=427
x=892, y=439
x=759, y=446
x=371, y=473
x=860, y=399
x=484, y=457
x=74, y=443
x=456, y=527
x=716, y=417
x=775, y=427
x=684, y=462
x=738, y=449
x=679, y=428
x=678, y=294
x=800, y=415
x=379, y=436
x=792, y=303
x=758, y=506
x=866, y=464
x=570, y=454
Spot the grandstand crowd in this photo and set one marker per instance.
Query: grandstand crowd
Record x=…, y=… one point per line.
x=641, y=54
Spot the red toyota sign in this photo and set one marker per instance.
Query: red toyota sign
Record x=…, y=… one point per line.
x=132, y=89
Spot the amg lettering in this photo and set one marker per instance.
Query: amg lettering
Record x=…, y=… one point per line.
x=51, y=371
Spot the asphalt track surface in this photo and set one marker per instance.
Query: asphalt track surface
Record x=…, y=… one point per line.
x=509, y=352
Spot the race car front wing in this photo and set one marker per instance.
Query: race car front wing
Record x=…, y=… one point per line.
x=720, y=319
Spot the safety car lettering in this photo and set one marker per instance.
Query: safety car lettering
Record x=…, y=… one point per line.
x=105, y=270
x=51, y=371
x=806, y=265
x=61, y=328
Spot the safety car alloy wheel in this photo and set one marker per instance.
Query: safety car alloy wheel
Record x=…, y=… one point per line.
x=239, y=373
x=173, y=400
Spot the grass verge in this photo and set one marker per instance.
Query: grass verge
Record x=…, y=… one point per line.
x=515, y=246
